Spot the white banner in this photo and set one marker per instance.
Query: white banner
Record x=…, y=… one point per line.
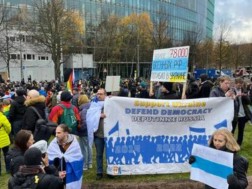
x=211, y=166
x=149, y=136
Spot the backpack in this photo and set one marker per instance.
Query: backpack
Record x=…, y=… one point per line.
x=68, y=117
x=25, y=182
x=43, y=128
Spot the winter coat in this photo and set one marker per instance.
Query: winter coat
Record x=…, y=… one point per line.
x=5, y=129
x=17, y=109
x=205, y=89
x=57, y=112
x=217, y=92
x=192, y=90
x=245, y=102
x=35, y=174
x=82, y=131
x=30, y=117
x=16, y=158
x=238, y=180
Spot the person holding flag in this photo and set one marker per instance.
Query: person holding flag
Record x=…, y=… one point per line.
x=223, y=140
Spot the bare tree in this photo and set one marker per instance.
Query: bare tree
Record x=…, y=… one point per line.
x=56, y=28
x=193, y=39
x=222, y=47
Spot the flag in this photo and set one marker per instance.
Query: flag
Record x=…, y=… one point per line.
x=70, y=81
x=197, y=130
x=221, y=124
x=74, y=162
x=211, y=166
x=114, y=129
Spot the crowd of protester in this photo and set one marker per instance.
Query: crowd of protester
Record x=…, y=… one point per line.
x=50, y=98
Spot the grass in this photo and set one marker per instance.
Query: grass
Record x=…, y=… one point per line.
x=90, y=175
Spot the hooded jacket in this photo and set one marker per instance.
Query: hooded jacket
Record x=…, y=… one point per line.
x=30, y=117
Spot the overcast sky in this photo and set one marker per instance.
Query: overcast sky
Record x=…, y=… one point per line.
x=237, y=15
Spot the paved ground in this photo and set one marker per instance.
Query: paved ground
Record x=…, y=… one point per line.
x=183, y=184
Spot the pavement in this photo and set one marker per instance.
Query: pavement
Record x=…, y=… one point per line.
x=180, y=184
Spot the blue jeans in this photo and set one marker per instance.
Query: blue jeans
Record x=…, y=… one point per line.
x=86, y=151
x=99, y=146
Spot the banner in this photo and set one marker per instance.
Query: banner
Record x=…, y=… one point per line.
x=211, y=167
x=170, y=65
x=149, y=136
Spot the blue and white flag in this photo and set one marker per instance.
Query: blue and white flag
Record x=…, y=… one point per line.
x=93, y=118
x=212, y=167
x=74, y=162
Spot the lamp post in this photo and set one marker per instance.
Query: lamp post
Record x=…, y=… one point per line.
x=21, y=59
x=138, y=66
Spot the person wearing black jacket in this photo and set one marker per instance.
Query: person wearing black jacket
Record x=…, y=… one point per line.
x=15, y=156
x=223, y=139
x=17, y=111
x=32, y=174
x=30, y=116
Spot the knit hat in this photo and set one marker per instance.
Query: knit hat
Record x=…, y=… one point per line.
x=41, y=145
x=83, y=99
x=65, y=96
x=32, y=156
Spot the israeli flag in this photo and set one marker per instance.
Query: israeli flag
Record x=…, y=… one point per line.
x=74, y=162
x=212, y=167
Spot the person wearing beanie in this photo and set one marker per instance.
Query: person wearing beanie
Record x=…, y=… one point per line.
x=17, y=111
x=32, y=174
x=57, y=113
x=82, y=132
x=30, y=117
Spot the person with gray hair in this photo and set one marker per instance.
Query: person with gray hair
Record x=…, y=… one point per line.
x=37, y=101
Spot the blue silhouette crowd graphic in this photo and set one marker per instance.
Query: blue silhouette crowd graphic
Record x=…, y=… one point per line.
x=139, y=149
x=133, y=150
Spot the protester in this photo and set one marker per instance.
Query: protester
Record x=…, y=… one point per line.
x=75, y=96
x=223, y=88
x=5, y=129
x=192, y=90
x=82, y=132
x=99, y=137
x=223, y=139
x=65, y=153
x=30, y=117
x=32, y=174
x=15, y=157
x=167, y=91
x=242, y=112
x=17, y=111
x=205, y=86
x=72, y=118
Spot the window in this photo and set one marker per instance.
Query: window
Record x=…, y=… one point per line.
x=13, y=56
x=30, y=57
x=43, y=57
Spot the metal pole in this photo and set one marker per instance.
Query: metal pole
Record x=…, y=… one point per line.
x=138, y=66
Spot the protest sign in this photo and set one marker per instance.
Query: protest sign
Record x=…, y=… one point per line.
x=170, y=65
x=112, y=83
x=148, y=136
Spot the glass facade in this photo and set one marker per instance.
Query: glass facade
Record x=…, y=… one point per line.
x=184, y=17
